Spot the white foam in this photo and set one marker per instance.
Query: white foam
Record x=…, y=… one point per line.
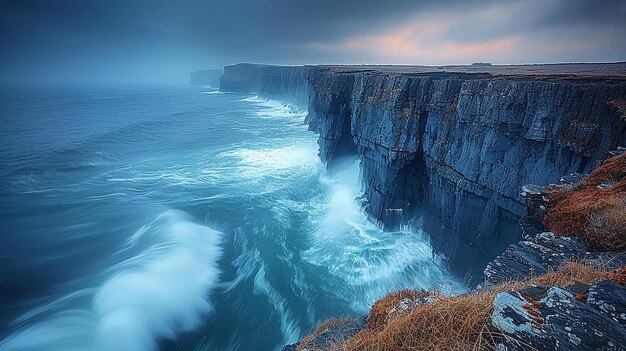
x=276, y=109
x=288, y=326
x=157, y=294
x=369, y=261
x=185, y=175
x=253, y=99
x=279, y=158
x=245, y=263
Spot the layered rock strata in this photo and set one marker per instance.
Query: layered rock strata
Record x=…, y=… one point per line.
x=449, y=151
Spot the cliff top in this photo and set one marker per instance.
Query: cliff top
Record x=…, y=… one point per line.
x=614, y=73
x=607, y=73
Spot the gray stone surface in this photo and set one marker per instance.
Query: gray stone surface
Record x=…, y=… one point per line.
x=609, y=298
x=408, y=304
x=331, y=336
x=559, y=321
x=532, y=258
x=543, y=253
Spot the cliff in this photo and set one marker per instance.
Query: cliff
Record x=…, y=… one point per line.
x=449, y=148
x=286, y=83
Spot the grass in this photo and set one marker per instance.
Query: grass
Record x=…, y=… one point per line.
x=573, y=272
x=449, y=323
x=594, y=209
x=379, y=313
x=329, y=324
x=452, y=322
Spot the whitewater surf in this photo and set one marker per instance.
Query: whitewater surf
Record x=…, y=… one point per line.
x=183, y=218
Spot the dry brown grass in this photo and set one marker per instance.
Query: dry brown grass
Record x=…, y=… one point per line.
x=573, y=272
x=455, y=322
x=591, y=209
x=329, y=324
x=450, y=323
x=379, y=313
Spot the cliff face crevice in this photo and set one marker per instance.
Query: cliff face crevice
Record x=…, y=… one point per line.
x=330, y=113
x=450, y=151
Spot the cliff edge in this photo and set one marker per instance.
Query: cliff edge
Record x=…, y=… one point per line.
x=449, y=148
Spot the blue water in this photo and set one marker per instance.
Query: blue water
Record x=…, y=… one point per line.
x=181, y=218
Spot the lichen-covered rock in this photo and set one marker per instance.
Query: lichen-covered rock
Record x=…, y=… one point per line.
x=543, y=253
x=609, y=298
x=331, y=336
x=534, y=257
x=535, y=197
x=556, y=321
x=408, y=304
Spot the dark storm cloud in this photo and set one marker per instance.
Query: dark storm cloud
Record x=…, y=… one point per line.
x=134, y=39
x=231, y=26
x=586, y=12
x=539, y=17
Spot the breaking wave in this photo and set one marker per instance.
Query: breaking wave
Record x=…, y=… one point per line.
x=159, y=293
x=297, y=246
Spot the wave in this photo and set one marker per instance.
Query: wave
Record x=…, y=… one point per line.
x=276, y=159
x=366, y=259
x=253, y=99
x=272, y=109
x=157, y=294
x=288, y=326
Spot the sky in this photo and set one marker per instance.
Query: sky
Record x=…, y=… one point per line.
x=125, y=41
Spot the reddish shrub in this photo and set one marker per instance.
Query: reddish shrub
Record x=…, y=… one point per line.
x=594, y=209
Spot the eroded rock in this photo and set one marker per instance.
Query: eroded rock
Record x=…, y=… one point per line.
x=560, y=321
x=331, y=336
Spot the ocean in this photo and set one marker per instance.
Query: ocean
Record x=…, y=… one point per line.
x=182, y=218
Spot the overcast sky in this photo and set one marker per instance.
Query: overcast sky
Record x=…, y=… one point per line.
x=158, y=41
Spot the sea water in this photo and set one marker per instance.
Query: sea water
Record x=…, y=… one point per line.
x=182, y=218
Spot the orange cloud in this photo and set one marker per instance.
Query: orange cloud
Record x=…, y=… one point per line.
x=491, y=33
x=417, y=42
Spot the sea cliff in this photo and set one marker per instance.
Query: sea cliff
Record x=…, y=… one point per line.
x=450, y=148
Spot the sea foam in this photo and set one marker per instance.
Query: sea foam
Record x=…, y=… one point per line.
x=366, y=259
x=157, y=294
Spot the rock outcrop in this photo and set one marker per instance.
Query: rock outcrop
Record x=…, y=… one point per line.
x=578, y=317
x=328, y=336
x=450, y=151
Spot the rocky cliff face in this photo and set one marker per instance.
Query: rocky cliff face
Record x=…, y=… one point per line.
x=450, y=152
x=286, y=83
